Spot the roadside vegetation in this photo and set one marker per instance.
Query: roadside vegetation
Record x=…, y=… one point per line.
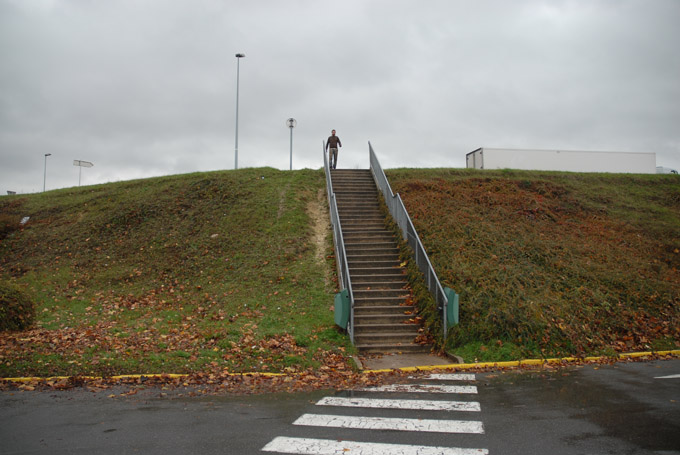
x=206, y=271
x=552, y=264
x=233, y=271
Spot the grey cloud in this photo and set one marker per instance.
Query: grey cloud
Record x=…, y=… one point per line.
x=148, y=88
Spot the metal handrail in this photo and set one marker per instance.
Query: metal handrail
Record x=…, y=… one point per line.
x=339, y=243
x=400, y=215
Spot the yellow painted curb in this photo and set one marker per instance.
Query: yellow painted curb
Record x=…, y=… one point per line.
x=449, y=366
x=93, y=378
x=526, y=362
x=127, y=376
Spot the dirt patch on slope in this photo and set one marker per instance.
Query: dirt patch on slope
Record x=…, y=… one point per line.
x=321, y=229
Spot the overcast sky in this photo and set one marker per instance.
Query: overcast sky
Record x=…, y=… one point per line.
x=148, y=87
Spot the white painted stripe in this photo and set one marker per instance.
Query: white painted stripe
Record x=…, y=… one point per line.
x=385, y=423
x=672, y=376
x=423, y=405
x=424, y=388
x=452, y=377
x=307, y=446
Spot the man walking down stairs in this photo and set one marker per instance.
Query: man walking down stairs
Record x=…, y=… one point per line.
x=383, y=317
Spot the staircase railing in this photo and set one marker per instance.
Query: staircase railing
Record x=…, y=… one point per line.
x=345, y=298
x=398, y=211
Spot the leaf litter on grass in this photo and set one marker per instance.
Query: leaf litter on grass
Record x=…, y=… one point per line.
x=172, y=274
x=543, y=264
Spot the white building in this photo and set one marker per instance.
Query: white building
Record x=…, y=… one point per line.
x=562, y=160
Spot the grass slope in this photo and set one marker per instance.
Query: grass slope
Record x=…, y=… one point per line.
x=233, y=270
x=552, y=263
x=175, y=274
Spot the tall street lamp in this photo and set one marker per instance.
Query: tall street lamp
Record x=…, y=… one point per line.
x=238, y=61
x=291, y=122
x=45, y=170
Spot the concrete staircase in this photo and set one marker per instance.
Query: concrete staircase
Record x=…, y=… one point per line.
x=383, y=317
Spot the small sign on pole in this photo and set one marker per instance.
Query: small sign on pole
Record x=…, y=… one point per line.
x=81, y=164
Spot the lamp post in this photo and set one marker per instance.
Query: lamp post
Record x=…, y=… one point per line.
x=291, y=123
x=45, y=170
x=238, y=61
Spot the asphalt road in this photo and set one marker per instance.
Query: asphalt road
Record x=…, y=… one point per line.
x=626, y=408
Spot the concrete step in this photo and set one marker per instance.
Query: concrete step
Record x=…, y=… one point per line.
x=345, y=203
x=353, y=227
x=366, y=200
x=340, y=175
x=368, y=237
x=386, y=244
x=381, y=318
x=358, y=229
x=392, y=310
x=363, y=250
x=358, y=205
x=385, y=336
x=374, y=285
x=370, y=233
x=382, y=248
x=356, y=192
x=362, y=217
x=363, y=210
x=371, y=273
x=390, y=331
x=360, y=294
x=376, y=263
x=362, y=214
x=390, y=282
x=377, y=271
x=353, y=221
x=348, y=212
x=377, y=256
x=353, y=184
x=375, y=348
x=381, y=301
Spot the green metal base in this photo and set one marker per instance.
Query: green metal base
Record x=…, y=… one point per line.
x=342, y=309
x=452, y=307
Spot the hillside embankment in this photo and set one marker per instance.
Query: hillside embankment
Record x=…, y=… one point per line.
x=552, y=264
x=233, y=271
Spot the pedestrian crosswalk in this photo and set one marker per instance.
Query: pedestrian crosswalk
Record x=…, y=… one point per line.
x=386, y=423
x=423, y=388
x=422, y=399
x=309, y=446
x=379, y=403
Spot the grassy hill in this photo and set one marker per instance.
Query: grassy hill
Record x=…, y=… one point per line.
x=552, y=263
x=234, y=271
x=183, y=273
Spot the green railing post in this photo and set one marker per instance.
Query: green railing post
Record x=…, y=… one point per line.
x=342, y=309
x=451, y=307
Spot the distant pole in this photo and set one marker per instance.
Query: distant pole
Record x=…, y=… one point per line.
x=291, y=122
x=238, y=61
x=45, y=170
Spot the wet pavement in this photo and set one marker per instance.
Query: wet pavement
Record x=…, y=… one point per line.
x=625, y=408
x=399, y=360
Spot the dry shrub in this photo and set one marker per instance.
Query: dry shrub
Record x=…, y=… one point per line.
x=17, y=310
